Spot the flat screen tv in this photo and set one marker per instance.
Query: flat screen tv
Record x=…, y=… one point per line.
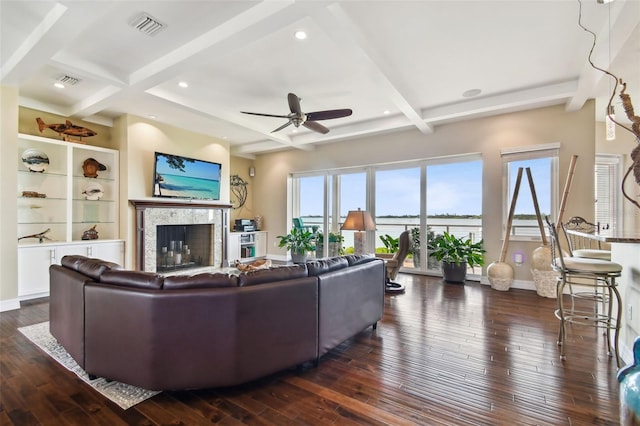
x=176, y=176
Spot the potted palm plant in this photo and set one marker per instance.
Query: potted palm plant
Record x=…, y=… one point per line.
x=456, y=254
x=300, y=242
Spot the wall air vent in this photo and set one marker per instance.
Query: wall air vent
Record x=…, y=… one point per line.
x=68, y=80
x=147, y=24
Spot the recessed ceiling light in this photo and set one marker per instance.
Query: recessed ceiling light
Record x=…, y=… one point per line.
x=58, y=85
x=386, y=112
x=153, y=117
x=183, y=84
x=471, y=93
x=300, y=35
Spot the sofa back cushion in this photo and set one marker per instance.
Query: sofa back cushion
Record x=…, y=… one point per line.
x=205, y=280
x=357, y=259
x=134, y=279
x=92, y=268
x=280, y=273
x=322, y=266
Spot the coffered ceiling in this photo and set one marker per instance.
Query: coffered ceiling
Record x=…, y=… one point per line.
x=396, y=64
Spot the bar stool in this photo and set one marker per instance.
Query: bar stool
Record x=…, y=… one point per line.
x=582, y=246
x=594, y=280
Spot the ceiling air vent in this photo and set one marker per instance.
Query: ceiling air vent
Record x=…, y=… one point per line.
x=147, y=24
x=68, y=80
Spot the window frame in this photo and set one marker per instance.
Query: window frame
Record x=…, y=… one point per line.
x=530, y=152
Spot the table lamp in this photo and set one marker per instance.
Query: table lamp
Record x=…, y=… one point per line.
x=359, y=221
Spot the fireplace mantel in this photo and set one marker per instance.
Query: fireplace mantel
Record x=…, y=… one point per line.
x=184, y=204
x=150, y=213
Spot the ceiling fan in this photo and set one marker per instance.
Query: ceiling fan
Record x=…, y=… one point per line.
x=308, y=120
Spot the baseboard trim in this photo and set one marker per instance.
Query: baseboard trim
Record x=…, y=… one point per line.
x=9, y=305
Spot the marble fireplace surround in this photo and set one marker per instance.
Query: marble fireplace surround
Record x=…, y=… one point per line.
x=151, y=213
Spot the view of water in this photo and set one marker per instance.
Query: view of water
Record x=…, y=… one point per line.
x=393, y=226
x=189, y=187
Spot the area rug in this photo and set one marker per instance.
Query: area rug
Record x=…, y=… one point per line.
x=125, y=396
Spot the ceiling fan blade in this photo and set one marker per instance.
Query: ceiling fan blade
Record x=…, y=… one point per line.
x=288, y=123
x=265, y=115
x=294, y=104
x=316, y=127
x=329, y=114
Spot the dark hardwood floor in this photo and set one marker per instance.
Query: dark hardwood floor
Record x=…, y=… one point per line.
x=443, y=354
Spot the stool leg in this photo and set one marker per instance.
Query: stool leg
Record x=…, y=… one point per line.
x=562, y=332
x=616, y=334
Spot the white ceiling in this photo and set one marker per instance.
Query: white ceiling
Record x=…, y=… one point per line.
x=413, y=59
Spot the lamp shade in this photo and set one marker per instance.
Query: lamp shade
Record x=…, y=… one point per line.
x=359, y=220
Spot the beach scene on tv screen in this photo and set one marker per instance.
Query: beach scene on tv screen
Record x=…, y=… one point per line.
x=186, y=178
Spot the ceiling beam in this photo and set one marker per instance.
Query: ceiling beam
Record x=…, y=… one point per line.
x=502, y=103
x=339, y=26
x=610, y=40
x=59, y=25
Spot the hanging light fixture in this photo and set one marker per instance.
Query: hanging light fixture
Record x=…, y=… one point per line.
x=610, y=123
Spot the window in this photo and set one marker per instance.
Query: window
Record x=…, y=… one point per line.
x=607, y=191
x=429, y=196
x=542, y=161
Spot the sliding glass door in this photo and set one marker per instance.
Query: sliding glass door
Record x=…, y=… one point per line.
x=425, y=197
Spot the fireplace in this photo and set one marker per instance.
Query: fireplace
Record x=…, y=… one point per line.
x=175, y=236
x=180, y=247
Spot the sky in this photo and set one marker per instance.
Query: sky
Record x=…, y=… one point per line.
x=197, y=169
x=454, y=188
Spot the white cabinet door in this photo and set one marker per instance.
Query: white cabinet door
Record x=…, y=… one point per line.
x=233, y=247
x=111, y=251
x=261, y=244
x=33, y=270
x=70, y=250
x=34, y=262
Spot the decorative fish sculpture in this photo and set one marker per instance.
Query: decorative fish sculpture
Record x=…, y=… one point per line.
x=66, y=130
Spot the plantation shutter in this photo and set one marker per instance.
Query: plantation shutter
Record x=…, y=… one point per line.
x=606, y=190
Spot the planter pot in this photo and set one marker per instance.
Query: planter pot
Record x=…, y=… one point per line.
x=416, y=259
x=454, y=272
x=298, y=257
x=334, y=249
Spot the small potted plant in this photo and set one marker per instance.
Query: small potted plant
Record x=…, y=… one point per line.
x=300, y=242
x=455, y=254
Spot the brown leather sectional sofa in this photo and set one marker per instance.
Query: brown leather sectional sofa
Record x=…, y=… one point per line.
x=209, y=330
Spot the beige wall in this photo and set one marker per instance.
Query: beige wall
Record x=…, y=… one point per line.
x=27, y=124
x=574, y=131
x=240, y=166
x=8, y=211
x=138, y=140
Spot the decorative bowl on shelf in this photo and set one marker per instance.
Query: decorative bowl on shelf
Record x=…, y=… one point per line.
x=93, y=191
x=35, y=160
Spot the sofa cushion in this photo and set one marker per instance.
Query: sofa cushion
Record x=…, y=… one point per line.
x=322, y=266
x=205, y=280
x=280, y=273
x=135, y=279
x=357, y=259
x=90, y=267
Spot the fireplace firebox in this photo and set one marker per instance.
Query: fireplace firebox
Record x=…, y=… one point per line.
x=184, y=247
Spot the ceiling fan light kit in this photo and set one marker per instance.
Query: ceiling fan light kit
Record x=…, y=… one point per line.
x=308, y=120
